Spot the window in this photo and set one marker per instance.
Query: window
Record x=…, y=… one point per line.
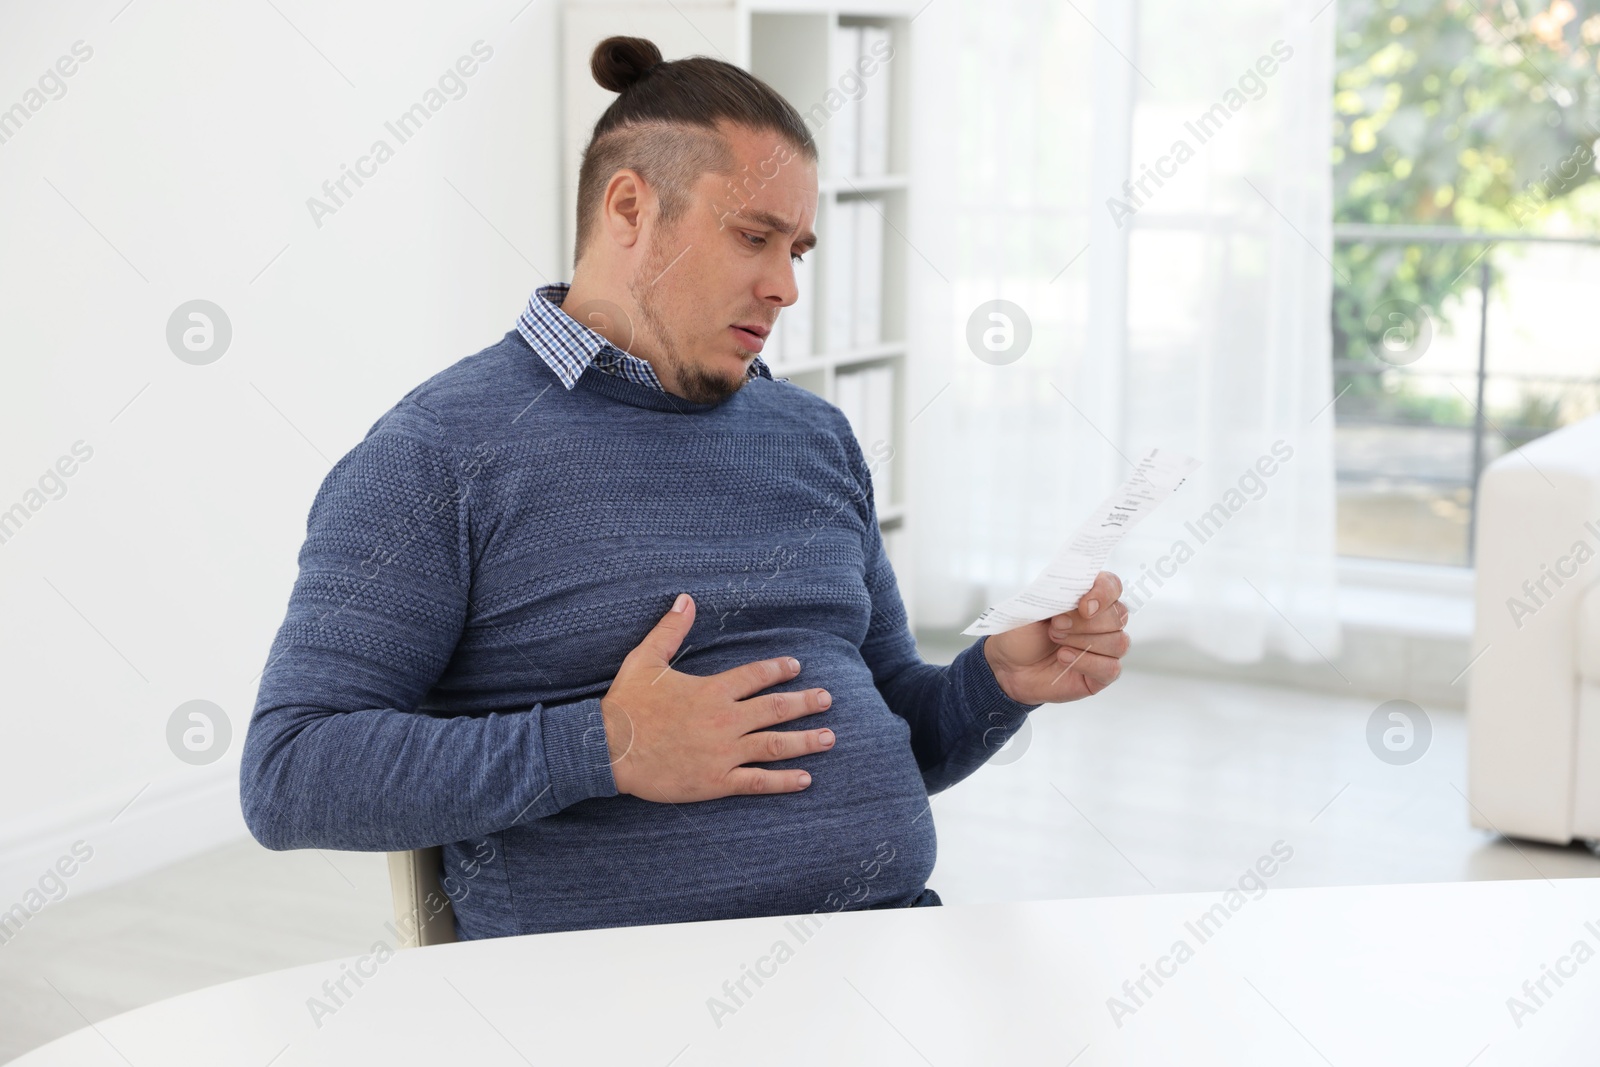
x=1466, y=205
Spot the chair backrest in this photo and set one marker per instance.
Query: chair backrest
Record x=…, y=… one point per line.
x=422, y=910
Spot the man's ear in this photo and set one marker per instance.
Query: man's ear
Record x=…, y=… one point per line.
x=622, y=209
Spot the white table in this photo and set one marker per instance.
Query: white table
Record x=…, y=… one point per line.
x=1409, y=974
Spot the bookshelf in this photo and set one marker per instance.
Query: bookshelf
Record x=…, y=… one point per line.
x=845, y=68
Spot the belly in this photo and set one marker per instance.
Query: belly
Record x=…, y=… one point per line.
x=861, y=833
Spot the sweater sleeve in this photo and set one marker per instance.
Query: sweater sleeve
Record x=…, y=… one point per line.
x=958, y=713
x=337, y=754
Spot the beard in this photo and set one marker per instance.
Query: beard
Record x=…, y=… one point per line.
x=698, y=385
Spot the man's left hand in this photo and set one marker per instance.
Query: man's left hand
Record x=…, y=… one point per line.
x=1068, y=656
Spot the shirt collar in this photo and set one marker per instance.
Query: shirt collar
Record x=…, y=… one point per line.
x=569, y=346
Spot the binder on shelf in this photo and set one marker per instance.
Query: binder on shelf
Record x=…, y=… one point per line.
x=790, y=339
x=772, y=351
x=849, y=398
x=894, y=546
x=866, y=328
x=897, y=547
x=844, y=140
x=866, y=397
x=877, y=403
x=872, y=148
x=797, y=341
x=840, y=269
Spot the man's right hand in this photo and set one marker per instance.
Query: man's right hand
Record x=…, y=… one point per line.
x=680, y=737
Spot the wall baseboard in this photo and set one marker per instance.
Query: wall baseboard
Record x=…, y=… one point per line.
x=167, y=820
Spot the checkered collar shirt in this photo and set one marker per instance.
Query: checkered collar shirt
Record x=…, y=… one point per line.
x=568, y=346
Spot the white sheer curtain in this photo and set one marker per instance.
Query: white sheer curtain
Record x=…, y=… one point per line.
x=1193, y=316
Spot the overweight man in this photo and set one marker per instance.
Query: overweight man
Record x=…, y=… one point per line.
x=603, y=608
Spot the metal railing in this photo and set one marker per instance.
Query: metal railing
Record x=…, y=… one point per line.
x=1360, y=233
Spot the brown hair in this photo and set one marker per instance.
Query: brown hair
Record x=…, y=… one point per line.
x=664, y=124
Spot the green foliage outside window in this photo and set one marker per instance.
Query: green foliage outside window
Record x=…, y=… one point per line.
x=1464, y=114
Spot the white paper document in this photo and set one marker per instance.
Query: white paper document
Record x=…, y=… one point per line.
x=1075, y=567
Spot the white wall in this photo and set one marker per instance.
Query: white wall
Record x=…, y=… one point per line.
x=177, y=165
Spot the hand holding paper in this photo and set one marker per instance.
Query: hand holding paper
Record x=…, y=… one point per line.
x=1041, y=645
x=1066, y=657
x=1059, y=586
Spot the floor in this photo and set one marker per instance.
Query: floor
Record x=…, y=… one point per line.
x=1164, y=783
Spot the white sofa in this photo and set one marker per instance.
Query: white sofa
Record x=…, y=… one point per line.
x=1533, y=695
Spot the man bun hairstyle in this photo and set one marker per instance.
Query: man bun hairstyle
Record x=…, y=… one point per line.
x=665, y=123
x=618, y=62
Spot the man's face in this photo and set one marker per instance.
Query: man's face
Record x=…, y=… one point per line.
x=725, y=264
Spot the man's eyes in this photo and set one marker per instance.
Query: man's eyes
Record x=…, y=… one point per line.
x=760, y=241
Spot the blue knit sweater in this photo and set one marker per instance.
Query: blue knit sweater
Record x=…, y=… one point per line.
x=474, y=572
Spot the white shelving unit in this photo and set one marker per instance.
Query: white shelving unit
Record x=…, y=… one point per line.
x=796, y=47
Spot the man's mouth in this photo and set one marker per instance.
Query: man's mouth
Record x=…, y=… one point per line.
x=751, y=336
